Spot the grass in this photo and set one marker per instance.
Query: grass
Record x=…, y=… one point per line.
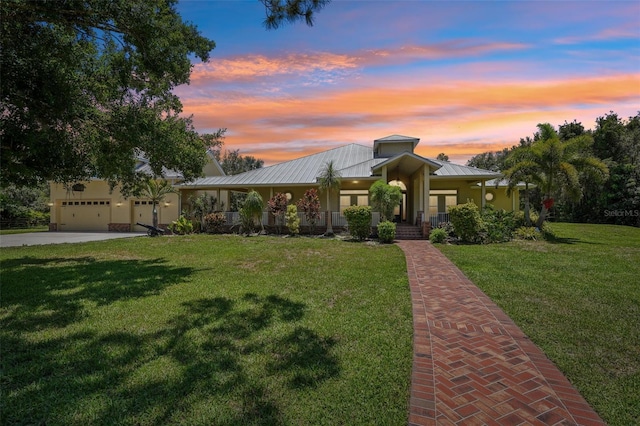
x=578, y=298
x=211, y=330
x=23, y=230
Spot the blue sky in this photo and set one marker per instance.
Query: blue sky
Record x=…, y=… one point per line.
x=465, y=77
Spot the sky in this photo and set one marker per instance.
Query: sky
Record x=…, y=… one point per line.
x=465, y=77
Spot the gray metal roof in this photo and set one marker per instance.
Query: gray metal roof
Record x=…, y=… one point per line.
x=353, y=161
x=455, y=170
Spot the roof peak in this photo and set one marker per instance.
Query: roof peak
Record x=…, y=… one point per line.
x=397, y=138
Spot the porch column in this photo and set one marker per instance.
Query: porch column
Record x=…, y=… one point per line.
x=425, y=192
x=384, y=174
x=483, y=193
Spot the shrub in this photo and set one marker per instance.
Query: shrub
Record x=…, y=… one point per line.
x=277, y=205
x=438, y=235
x=386, y=231
x=519, y=218
x=385, y=198
x=466, y=221
x=527, y=233
x=181, y=226
x=499, y=225
x=359, y=221
x=310, y=206
x=293, y=221
x=251, y=212
x=213, y=222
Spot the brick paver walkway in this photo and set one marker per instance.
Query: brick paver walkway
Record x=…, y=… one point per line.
x=472, y=365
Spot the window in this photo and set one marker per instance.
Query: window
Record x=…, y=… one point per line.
x=353, y=197
x=441, y=199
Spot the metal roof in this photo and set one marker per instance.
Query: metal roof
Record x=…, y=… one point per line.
x=353, y=161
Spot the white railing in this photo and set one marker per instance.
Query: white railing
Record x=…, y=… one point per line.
x=319, y=222
x=437, y=219
x=337, y=219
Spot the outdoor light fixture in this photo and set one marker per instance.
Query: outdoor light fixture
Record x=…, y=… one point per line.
x=166, y=203
x=50, y=204
x=118, y=204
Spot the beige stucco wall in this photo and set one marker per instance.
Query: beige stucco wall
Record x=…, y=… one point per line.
x=108, y=209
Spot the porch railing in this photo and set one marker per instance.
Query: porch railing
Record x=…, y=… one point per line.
x=337, y=219
x=437, y=219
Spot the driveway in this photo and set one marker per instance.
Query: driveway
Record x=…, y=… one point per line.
x=40, y=238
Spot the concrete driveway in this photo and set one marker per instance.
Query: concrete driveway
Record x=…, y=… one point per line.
x=40, y=238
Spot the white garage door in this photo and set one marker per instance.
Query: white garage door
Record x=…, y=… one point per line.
x=87, y=215
x=143, y=213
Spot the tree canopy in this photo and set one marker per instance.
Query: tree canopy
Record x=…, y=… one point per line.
x=86, y=87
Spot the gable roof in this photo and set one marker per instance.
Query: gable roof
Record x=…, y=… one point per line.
x=353, y=161
x=396, y=139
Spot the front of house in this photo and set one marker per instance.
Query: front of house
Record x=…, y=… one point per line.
x=429, y=187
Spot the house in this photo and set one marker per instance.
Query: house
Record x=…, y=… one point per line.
x=428, y=186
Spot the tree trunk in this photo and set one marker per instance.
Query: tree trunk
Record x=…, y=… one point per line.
x=155, y=215
x=527, y=208
x=329, y=227
x=543, y=215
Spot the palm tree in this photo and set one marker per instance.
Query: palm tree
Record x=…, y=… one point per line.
x=555, y=166
x=156, y=191
x=329, y=180
x=522, y=168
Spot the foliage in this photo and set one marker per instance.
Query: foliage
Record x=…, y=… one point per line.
x=520, y=220
x=442, y=157
x=527, y=233
x=556, y=166
x=214, y=222
x=577, y=298
x=24, y=205
x=310, y=206
x=277, y=206
x=156, y=191
x=359, y=221
x=94, y=80
x=547, y=232
x=438, y=236
x=498, y=225
x=208, y=330
x=251, y=213
x=385, y=198
x=200, y=206
x=281, y=11
x=386, y=231
x=466, y=220
x=292, y=219
x=330, y=181
x=233, y=163
x=181, y=226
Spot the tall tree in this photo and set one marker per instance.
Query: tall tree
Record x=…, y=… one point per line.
x=282, y=11
x=442, y=157
x=330, y=180
x=556, y=166
x=86, y=85
x=233, y=162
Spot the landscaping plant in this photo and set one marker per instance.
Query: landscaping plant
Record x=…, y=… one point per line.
x=359, y=221
x=386, y=231
x=293, y=221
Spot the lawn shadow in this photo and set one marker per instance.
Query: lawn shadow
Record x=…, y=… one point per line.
x=197, y=367
x=43, y=293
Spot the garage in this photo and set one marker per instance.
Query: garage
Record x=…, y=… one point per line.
x=86, y=215
x=143, y=213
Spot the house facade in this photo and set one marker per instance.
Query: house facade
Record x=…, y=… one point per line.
x=429, y=187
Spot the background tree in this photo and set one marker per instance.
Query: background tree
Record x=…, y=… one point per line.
x=442, y=157
x=522, y=169
x=233, y=163
x=310, y=206
x=385, y=198
x=557, y=165
x=156, y=191
x=330, y=180
x=24, y=206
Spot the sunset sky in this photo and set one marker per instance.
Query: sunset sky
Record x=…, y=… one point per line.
x=464, y=77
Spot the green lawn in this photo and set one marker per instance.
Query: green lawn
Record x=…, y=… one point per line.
x=579, y=300
x=23, y=230
x=210, y=330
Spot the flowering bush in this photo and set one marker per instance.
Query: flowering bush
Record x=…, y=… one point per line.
x=310, y=206
x=213, y=222
x=277, y=205
x=293, y=221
